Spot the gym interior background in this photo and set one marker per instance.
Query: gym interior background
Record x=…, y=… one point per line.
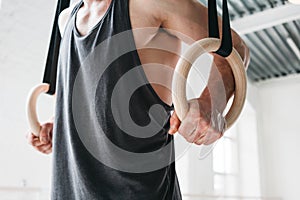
x=257, y=159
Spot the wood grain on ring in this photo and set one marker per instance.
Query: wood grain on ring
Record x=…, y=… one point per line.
x=182, y=70
x=33, y=121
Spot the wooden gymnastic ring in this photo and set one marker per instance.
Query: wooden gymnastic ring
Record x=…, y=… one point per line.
x=182, y=70
x=33, y=121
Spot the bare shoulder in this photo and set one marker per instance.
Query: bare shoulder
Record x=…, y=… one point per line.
x=177, y=7
x=161, y=5
x=166, y=10
x=64, y=16
x=145, y=13
x=156, y=12
x=185, y=19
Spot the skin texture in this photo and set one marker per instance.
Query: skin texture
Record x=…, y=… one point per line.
x=43, y=143
x=180, y=20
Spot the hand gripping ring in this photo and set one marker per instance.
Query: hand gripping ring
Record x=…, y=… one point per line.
x=33, y=121
x=182, y=70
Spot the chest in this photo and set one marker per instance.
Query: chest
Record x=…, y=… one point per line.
x=146, y=27
x=155, y=46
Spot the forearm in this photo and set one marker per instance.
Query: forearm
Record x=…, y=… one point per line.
x=221, y=84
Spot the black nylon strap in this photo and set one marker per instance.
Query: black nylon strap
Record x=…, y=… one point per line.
x=213, y=26
x=52, y=57
x=226, y=43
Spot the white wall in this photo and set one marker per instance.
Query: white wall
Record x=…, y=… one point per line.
x=249, y=172
x=279, y=136
x=24, y=35
x=196, y=176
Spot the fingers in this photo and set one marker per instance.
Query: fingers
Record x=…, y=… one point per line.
x=188, y=129
x=174, y=123
x=38, y=145
x=45, y=133
x=202, y=127
x=33, y=140
x=199, y=131
x=36, y=142
x=43, y=143
x=46, y=149
x=210, y=137
x=30, y=137
x=214, y=131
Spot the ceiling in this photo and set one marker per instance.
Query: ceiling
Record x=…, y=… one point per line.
x=273, y=41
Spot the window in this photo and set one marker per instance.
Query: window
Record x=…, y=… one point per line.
x=225, y=165
x=235, y=158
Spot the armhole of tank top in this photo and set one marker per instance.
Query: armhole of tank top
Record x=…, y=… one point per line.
x=143, y=74
x=74, y=10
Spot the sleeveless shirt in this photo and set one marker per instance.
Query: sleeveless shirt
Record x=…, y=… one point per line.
x=110, y=137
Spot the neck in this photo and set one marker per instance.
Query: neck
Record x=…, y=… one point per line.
x=91, y=2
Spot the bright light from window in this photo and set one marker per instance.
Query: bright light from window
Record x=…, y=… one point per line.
x=225, y=156
x=295, y=1
x=225, y=165
x=219, y=158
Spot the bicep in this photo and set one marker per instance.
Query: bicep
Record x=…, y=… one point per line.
x=188, y=20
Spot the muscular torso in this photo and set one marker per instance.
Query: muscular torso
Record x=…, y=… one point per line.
x=156, y=38
x=157, y=63
x=169, y=20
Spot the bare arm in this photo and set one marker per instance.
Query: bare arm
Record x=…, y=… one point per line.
x=43, y=143
x=189, y=19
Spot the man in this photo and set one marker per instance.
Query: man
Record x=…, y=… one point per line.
x=158, y=28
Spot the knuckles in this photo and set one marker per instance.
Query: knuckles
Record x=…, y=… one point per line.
x=30, y=140
x=45, y=149
x=200, y=142
x=35, y=142
x=190, y=140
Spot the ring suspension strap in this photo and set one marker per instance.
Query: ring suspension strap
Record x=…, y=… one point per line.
x=53, y=52
x=226, y=43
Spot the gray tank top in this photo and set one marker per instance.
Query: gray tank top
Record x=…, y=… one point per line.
x=110, y=131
